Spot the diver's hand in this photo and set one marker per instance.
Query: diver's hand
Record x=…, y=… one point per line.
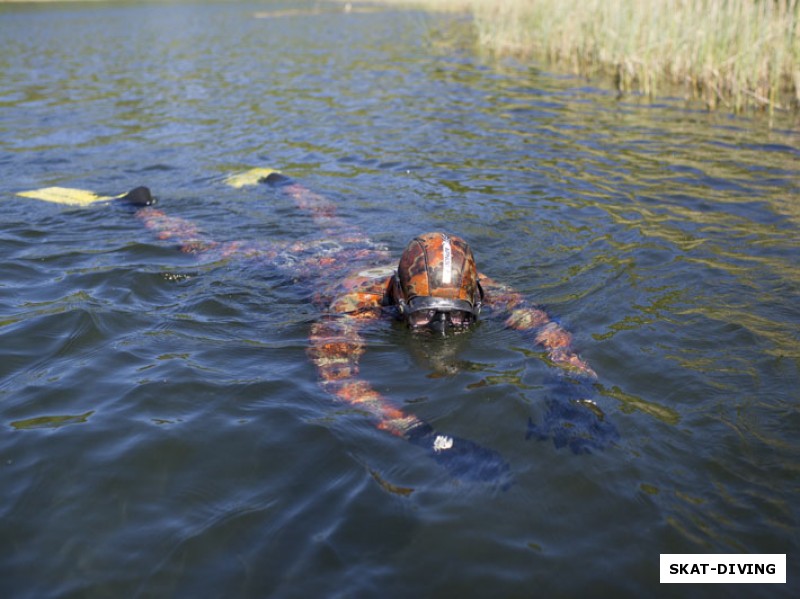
x=573, y=386
x=572, y=418
x=463, y=459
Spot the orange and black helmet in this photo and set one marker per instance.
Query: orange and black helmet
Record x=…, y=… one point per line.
x=437, y=275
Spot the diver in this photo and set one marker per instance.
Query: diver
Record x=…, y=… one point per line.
x=437, y=288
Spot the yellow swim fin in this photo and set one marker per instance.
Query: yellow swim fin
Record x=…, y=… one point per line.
x=251, y=177
x=65, y=195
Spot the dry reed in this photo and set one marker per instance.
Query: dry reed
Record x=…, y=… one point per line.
x=737, y=53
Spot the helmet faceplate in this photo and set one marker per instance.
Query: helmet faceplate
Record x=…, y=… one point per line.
x=436, y=265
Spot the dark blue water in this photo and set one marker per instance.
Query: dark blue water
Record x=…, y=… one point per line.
x=162, y=432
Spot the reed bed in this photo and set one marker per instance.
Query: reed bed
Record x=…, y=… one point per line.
x=736, y=53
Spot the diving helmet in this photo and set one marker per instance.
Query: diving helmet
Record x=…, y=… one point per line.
x=437, y=282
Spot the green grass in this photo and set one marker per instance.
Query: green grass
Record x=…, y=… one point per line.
x=732, y=53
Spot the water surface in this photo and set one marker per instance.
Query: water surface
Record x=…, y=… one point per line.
x=162, y=431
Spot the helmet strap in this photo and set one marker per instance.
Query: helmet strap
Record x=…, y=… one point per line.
x=398, y=296
x=478, y=303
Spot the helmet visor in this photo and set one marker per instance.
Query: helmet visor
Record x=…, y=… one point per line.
x=427, y=310
x=428, y=318
x=440, y=304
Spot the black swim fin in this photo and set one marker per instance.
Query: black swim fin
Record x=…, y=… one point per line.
x=275, y=179
x=139, y=197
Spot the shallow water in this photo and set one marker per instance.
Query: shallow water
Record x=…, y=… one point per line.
x=163, y=433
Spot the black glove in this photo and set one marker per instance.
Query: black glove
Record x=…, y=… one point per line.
x=572, y=419
x=463, y=459
x=574, y=423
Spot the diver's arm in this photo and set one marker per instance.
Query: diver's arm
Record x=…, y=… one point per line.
x=520, y=315
x=337, y=345
x=336, y=348
x=571, y=418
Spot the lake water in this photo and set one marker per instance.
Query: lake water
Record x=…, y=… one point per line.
x=162, y=432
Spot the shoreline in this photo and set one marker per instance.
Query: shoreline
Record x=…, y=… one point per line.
x=735, y=55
